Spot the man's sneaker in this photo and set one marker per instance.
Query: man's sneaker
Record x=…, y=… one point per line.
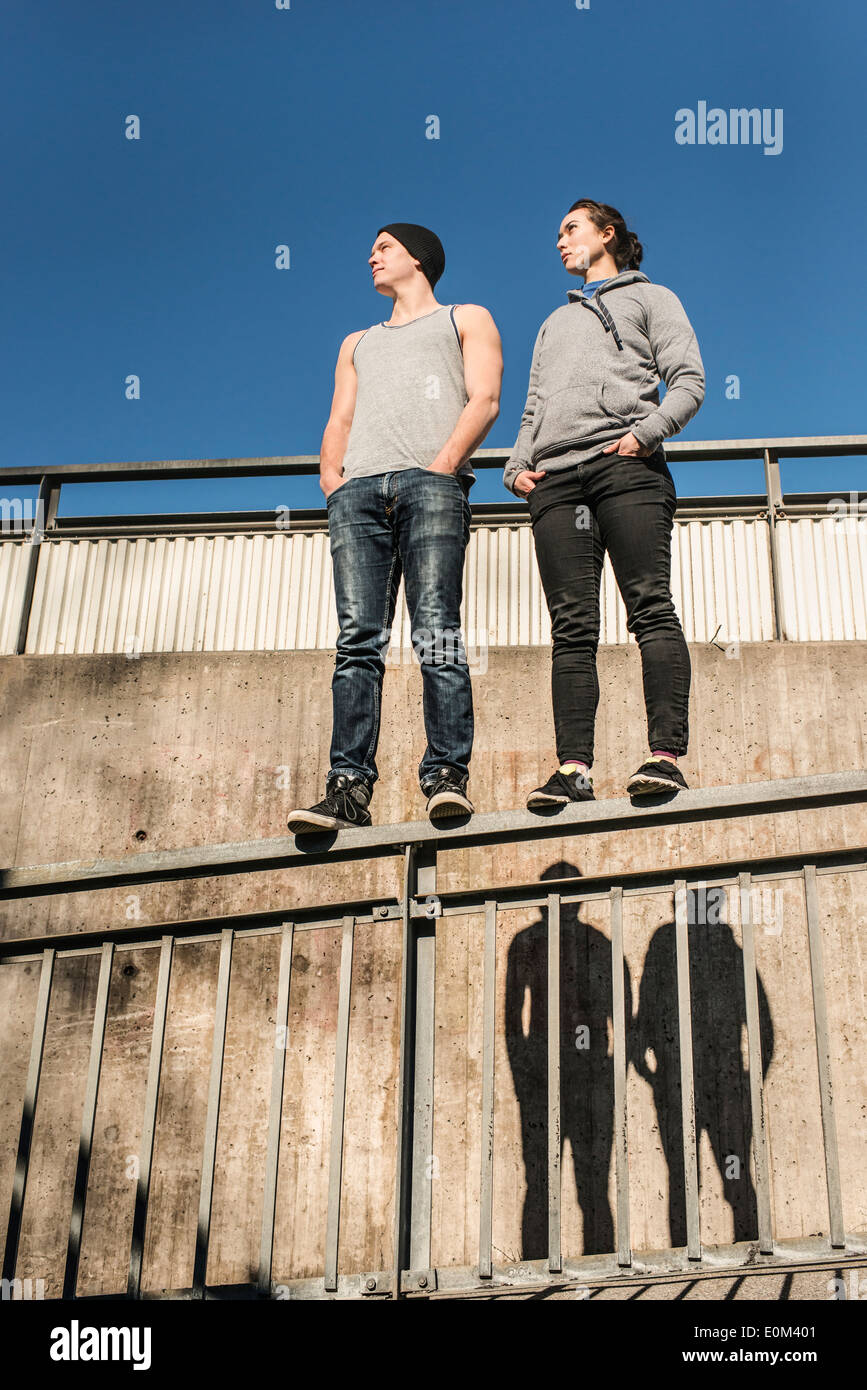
x=560, y=789
x=344, y=807
x=656, y=775
x=446, y=794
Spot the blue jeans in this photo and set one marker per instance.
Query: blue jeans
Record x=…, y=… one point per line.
x=625, y=506
x=414, y=523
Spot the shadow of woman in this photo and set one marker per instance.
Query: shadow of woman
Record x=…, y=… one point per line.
x=721, y=1078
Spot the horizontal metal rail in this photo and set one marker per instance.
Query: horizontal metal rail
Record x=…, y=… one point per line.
x=798, y=446
x=494, y=827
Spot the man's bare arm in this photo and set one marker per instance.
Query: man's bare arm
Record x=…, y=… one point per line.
x=483, y=374
x=336, y=436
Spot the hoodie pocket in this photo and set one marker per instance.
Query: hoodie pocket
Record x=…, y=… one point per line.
x=574, y=413
x=619, y=400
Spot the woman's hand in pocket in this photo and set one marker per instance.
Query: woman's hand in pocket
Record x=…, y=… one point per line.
x=525, y=481
x=628, y=446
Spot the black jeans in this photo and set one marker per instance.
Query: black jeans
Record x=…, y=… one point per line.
x=625, y=506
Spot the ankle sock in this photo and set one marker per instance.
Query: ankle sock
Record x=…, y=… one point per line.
x=572, y=765
x=661, y=753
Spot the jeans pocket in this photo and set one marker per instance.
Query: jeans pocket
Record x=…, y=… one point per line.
x=334, y=491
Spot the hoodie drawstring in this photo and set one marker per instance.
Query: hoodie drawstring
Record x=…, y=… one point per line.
x=602, y=313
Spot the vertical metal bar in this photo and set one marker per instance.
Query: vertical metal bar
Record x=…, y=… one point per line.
x=487, y=1164
x=823, y=1058
x=46, y=509
x=152, y=1091
x=775, y=500
x=424, y=936
x=275, y=1112
x=85, y=1144
x=338, y=1108
x=621, y=1139
x=406, y=1069
x=757, y=1085
x=28, y=1115
x=687, y=1084
x=555, y=1258
x=209, y=1155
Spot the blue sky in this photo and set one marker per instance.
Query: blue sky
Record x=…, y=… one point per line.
x=306, y=127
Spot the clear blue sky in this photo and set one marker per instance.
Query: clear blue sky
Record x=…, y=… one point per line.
x=306, y=127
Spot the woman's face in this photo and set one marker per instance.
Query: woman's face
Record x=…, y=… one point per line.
x=579, y=242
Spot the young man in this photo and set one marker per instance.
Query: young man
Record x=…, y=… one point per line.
x=413, y=399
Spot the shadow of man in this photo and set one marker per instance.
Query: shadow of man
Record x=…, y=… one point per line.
x=722, y=1093
x=586, y=1066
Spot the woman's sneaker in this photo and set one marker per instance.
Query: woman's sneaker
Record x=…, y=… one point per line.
x=656, y=775
x=560, y=789
x=446, y=794
x=344, y=807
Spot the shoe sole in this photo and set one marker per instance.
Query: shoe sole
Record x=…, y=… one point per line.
x=443, y=804
x=646, y=784
x=311, y=821
x=547, y=799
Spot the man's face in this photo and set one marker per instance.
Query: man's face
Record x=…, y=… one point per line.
x=579, y=242
x=390, y=263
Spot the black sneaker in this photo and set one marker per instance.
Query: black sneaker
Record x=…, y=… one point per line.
x=446, y=794
x=344, y=807
x=561, y=788
x=654, y=776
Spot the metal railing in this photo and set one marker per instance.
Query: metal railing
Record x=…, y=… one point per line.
x=47, y=526
x=419, y=908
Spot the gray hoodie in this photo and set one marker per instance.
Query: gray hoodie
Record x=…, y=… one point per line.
x=595, y=374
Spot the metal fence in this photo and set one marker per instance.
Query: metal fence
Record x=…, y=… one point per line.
x=748, y=568
x=420, y=907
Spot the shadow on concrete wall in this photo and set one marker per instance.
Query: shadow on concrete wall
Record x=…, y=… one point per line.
x=587, y=1070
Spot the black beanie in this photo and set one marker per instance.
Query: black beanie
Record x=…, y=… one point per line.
x=422, y=244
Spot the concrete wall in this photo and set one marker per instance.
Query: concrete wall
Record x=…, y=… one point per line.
x=193, y=750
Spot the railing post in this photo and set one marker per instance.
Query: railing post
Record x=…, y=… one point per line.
x=774, y=495
x=46, y=511
x=413, y=1190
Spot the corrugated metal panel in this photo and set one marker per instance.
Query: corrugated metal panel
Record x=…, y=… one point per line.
x=823, y=580
x=13, y=566
x=254, y=593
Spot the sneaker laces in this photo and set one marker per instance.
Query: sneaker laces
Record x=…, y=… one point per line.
x=344, y=785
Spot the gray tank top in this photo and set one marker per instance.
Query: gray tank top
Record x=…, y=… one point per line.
x=410, y=394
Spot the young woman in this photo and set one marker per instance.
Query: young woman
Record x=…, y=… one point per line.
x=589, y=462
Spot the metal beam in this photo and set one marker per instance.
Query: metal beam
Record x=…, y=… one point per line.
x=423, y=939
x=823, y=1060
x=212, y=1120
x=792, y=446
x=495, y=827
x=275, y=1111
x=555, y=1253
x=486, y=1177
x=146, y=1147
x=618, y=1017
x=756, y=1064
x=338, y=1106
x=31, y=1095
x=88, y=1120
x=720, y=873
x=687, y=1083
